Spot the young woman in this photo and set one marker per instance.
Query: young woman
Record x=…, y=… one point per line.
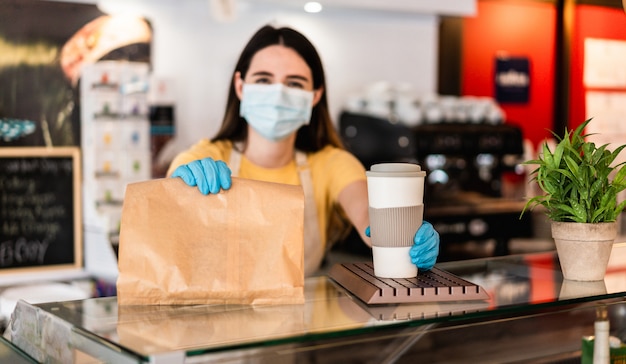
x=277, y=128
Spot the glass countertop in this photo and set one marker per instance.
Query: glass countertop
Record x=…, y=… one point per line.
x=516, y=284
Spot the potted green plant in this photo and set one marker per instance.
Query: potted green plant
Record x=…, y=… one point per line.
x=580, y=183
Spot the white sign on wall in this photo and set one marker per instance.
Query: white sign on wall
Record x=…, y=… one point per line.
x=604, y=63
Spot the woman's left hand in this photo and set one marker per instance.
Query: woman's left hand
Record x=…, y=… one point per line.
x=425, y=247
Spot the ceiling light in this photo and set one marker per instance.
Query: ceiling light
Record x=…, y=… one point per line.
x=312, y=7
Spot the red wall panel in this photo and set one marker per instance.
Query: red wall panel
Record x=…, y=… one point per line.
x=589, y=22
x=521, y=28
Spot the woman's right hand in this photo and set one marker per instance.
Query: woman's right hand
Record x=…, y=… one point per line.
x=210, y=176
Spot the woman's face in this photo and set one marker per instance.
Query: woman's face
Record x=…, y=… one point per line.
x=278, y=64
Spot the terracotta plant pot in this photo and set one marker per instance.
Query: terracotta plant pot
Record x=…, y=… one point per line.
x=584, y=249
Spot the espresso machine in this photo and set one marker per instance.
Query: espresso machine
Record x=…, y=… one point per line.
x=466, y=165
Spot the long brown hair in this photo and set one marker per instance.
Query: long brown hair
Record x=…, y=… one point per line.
x=310, y=138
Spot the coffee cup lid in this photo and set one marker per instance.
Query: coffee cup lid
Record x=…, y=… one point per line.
x=395, y=170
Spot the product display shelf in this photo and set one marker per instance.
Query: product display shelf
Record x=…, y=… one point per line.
x=531, y=313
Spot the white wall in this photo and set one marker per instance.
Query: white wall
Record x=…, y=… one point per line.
x=358, y=47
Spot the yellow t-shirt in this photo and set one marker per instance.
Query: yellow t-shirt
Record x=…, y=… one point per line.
x=332, y=169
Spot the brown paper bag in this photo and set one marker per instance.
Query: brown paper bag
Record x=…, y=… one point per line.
x=241, y=246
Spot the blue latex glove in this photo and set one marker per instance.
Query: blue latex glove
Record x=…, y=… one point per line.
x=425, y=247
x=210, y=176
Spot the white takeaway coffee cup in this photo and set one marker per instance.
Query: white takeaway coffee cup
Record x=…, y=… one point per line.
x=396, y=209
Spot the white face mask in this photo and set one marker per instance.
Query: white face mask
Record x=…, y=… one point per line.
x=275, y=111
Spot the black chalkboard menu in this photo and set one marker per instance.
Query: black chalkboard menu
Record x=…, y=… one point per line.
x=40, y=208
